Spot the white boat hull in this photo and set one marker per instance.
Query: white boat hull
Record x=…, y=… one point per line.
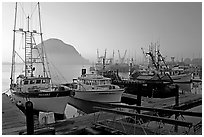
x=100, y=96
x=46, y=104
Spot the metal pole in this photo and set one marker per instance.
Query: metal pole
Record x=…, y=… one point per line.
x=13, y=54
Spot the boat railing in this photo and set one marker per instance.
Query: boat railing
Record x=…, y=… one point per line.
x=81, y=85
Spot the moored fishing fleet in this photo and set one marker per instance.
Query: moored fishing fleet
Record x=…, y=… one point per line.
x=156, y=77
x=104, y=84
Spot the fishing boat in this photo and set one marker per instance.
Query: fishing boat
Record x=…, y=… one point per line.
x=162, y=72
x=96, y=88
x=35, y=83
x=181, y=78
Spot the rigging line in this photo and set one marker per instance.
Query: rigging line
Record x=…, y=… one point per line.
x=41, y=57
x=21, y=43
x=38, y=50
x=19, y=56
x=58, y=71
x=55, y=75
x=34, y=10
x=56, y=78
x=31, y=21
x=22, y=9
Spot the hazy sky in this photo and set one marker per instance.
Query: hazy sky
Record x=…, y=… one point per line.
x=116, y=26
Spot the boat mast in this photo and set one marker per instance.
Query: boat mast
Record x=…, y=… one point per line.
x=29, y=68
x=44, y=53
x=43, y=58
x=13, y=53
x=27, y=47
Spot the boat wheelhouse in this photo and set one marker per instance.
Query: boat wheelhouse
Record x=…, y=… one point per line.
x=32, y=84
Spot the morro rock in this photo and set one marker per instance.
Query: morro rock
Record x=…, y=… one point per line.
x=59, y=52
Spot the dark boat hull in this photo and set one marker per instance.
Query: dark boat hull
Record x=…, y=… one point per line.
x=147, y=89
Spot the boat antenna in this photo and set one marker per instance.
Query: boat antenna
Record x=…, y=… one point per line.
x=13, y=53
x=44, y=56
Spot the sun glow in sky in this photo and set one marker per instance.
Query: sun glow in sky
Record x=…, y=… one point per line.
x=115, y=26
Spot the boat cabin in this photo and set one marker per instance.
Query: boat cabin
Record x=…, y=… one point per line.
x=32, y=84
x=94, y=80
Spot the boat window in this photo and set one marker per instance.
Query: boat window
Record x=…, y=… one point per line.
x=43, y=81
x=47, y=81
x=103, y=82
x=106, y=82
x=38, y=81
x=26, y=82
x=88, y=82
x=75, y=86
x=32, y=81
x=94, y=82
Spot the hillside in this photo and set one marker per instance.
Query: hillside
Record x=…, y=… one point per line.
x=59, y=52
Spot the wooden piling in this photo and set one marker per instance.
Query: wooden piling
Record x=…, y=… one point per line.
x=29, y=118
x=176, y=105
x=139, y=97
x=177, y=96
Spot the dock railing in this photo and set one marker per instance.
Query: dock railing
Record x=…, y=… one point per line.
x=139, y=118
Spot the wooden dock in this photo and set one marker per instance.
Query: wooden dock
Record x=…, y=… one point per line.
x=184, y=99
x=13, y=120
x=86, y=122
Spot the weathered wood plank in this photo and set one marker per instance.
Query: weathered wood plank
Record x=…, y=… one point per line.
x=13, y=119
